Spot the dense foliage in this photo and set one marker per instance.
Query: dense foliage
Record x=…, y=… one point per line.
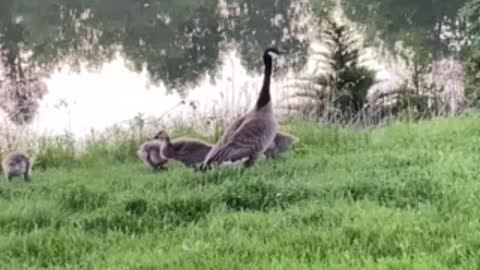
x=419, y=25
x=426, y=33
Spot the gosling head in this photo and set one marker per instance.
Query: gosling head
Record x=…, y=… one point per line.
x=161, y=135
x=16, y=161
x=16, y=165
x=13, y=164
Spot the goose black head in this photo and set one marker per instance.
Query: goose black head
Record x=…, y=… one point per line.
x=272, y=52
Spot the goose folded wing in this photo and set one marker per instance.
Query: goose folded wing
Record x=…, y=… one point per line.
x=186, y=148
x=230, y=131
x=229, y=152
x=247, y=141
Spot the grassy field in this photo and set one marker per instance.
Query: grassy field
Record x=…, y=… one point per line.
x=402, y=197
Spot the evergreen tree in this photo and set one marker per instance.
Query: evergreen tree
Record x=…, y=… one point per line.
x=341, y=91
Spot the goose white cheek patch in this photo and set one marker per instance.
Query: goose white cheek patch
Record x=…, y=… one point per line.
x=272, y=54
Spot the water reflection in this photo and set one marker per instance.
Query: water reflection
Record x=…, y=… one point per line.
x=173, y=44
x=176, y=41
x=78, y=102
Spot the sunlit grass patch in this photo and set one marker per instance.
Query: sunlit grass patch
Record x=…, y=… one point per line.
x=398, y=197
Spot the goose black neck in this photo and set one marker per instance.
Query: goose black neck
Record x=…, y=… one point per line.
x=264, y=97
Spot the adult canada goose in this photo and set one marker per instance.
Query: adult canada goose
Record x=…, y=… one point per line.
x=188, y=151
x=149, y=153
x=17, y=164
x=250, y=135
x=279, y=145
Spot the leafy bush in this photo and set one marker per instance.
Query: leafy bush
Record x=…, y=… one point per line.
x=56, y=151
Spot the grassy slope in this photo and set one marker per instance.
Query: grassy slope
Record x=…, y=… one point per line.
x=403, y=197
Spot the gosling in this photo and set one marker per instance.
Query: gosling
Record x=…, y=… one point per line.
x=149, y=153
x=17, y=164
x=190, y=152
x=280, y=144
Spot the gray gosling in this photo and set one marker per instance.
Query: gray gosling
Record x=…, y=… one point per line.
x=149, y=153
x=188, y=151
x=250, y=135
x=17, y=164
x=280, y=144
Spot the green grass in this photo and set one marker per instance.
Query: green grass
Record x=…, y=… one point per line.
x=402, y=197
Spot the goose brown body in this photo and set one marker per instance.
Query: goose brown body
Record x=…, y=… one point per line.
x=17, y=164
x=250, y=135
x=188, y=151
x=149, y=153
